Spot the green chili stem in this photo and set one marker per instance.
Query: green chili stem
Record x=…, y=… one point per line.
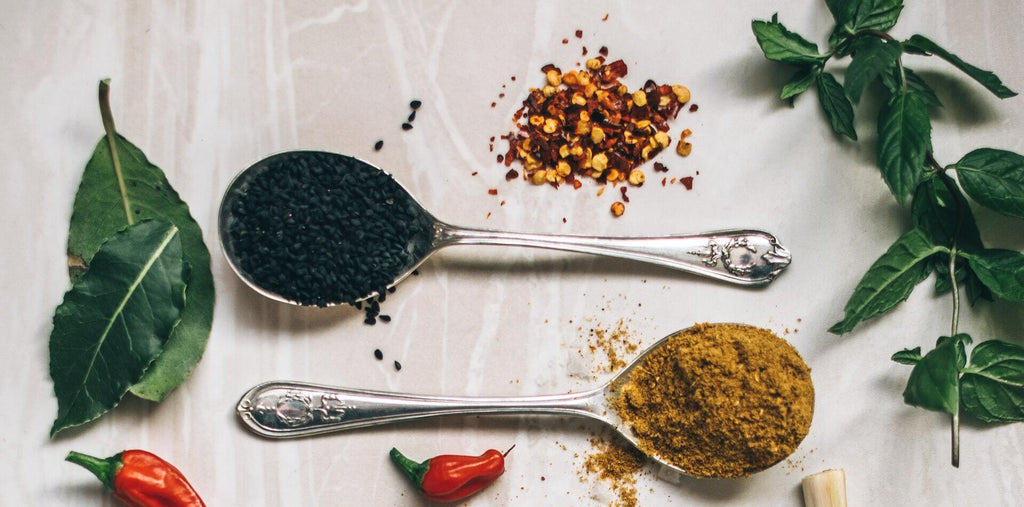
x=108, y=126
x=103, y=469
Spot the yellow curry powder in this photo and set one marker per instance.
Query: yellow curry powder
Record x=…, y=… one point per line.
x=719, y=400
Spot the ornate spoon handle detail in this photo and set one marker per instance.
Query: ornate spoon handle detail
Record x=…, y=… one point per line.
x=742, y=256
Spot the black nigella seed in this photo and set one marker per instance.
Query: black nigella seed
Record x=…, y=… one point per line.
x=412, y=116
x=321, y=229
x=384, y=318
x=407, y=126
x=378, y=354
x=370, y=321
x=398, y=366
x=415, y=104
x=378, y=145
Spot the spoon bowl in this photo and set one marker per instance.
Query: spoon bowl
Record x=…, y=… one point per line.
x=300, y=222
x=282, y=409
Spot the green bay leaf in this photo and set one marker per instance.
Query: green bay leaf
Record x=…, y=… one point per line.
x=99, y=212
x=836, y=105
x=995, y=179
x=992, y=386
x=904, y=138
x=890, y=280
x=115, y=320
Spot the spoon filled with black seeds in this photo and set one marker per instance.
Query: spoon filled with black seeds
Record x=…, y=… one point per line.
x=318, y=229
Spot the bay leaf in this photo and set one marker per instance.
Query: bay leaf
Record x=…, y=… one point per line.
x=99, y=211
x=115, y=320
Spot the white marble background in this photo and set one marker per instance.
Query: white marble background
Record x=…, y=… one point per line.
x=205, y=88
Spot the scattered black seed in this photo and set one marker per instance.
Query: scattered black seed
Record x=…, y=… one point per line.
x=391, y=290
x=407, y=126
x=415, y=272
x=412, y=116
x=369, y=321
x=378, y=145
x=378, y=354
x=398, y=366
x=385, y=318
x=321, y=228
x=415, y=104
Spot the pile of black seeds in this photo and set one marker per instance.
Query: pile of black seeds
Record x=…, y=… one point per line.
x=321, y=228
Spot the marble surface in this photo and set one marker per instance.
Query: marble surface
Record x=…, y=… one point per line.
x=206, y=88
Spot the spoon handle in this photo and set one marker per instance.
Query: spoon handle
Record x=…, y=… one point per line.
x=281, y=409
x=742, y=256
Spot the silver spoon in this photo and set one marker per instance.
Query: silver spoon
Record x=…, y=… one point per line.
x=741, y=256
x=282, y=409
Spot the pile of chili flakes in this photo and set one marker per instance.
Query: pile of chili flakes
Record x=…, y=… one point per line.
x=586, y=123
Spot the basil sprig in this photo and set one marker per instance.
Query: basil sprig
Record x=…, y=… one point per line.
x=945, y=239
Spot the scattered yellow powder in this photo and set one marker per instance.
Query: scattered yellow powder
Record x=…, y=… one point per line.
x=618, y=465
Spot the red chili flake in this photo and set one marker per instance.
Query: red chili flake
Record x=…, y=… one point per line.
x=502, y=203
x=663, y=181
x=492, y=139
x=565, y=41
x=660, y=168
x=501, y=95
x=584, y=51
x=698, y=173
x=693, y=108
x=577, y=184
x=579, y=34
x=563, y=221
x=513, y=78
x=492, y=191
x=494, y=104
x=501, y=158
x=672, y=181
x=603, y=51
x=622, y=190
x=548, y=67
x=474, y=173
x=511, y=174
x=490, y=146
x=687, y=182
x=488, y=214
x=605, y=18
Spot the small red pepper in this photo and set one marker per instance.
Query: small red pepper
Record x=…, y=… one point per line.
x=449, y=477
x=141, y=479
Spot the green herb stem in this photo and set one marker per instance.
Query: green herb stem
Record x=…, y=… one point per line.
x=108, y=126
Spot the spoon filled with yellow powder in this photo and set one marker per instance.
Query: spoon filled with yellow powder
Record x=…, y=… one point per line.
x=712, y=400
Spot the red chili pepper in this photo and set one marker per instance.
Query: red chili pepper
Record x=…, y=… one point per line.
x=141, y=479
x=449, y=477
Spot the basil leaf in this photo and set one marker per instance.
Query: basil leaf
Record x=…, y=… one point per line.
x=843, y=10
x=871, y=57
x=908, y=356
x=904, y=137
x=976, y=289
x=934, y=211
x=1002, y=271
x=994, y=178
x=114, y=322
x=799, y=83
x=992, y=387
x=781, y=45
x=894, y=83
x=99, y=211
x=856, y=16
x=933, y=381
x=922, y=45
x=890, y=280
x=837, y=107
x=965, y=276
x=959, y=342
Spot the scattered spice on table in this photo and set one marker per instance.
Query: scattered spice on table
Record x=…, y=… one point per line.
x=719, y=400
x=378, y=354
x=140, y=478
x=618, y=464
x=585, y=123
x=398, y=366
x=378, y=145
x=321, y=228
